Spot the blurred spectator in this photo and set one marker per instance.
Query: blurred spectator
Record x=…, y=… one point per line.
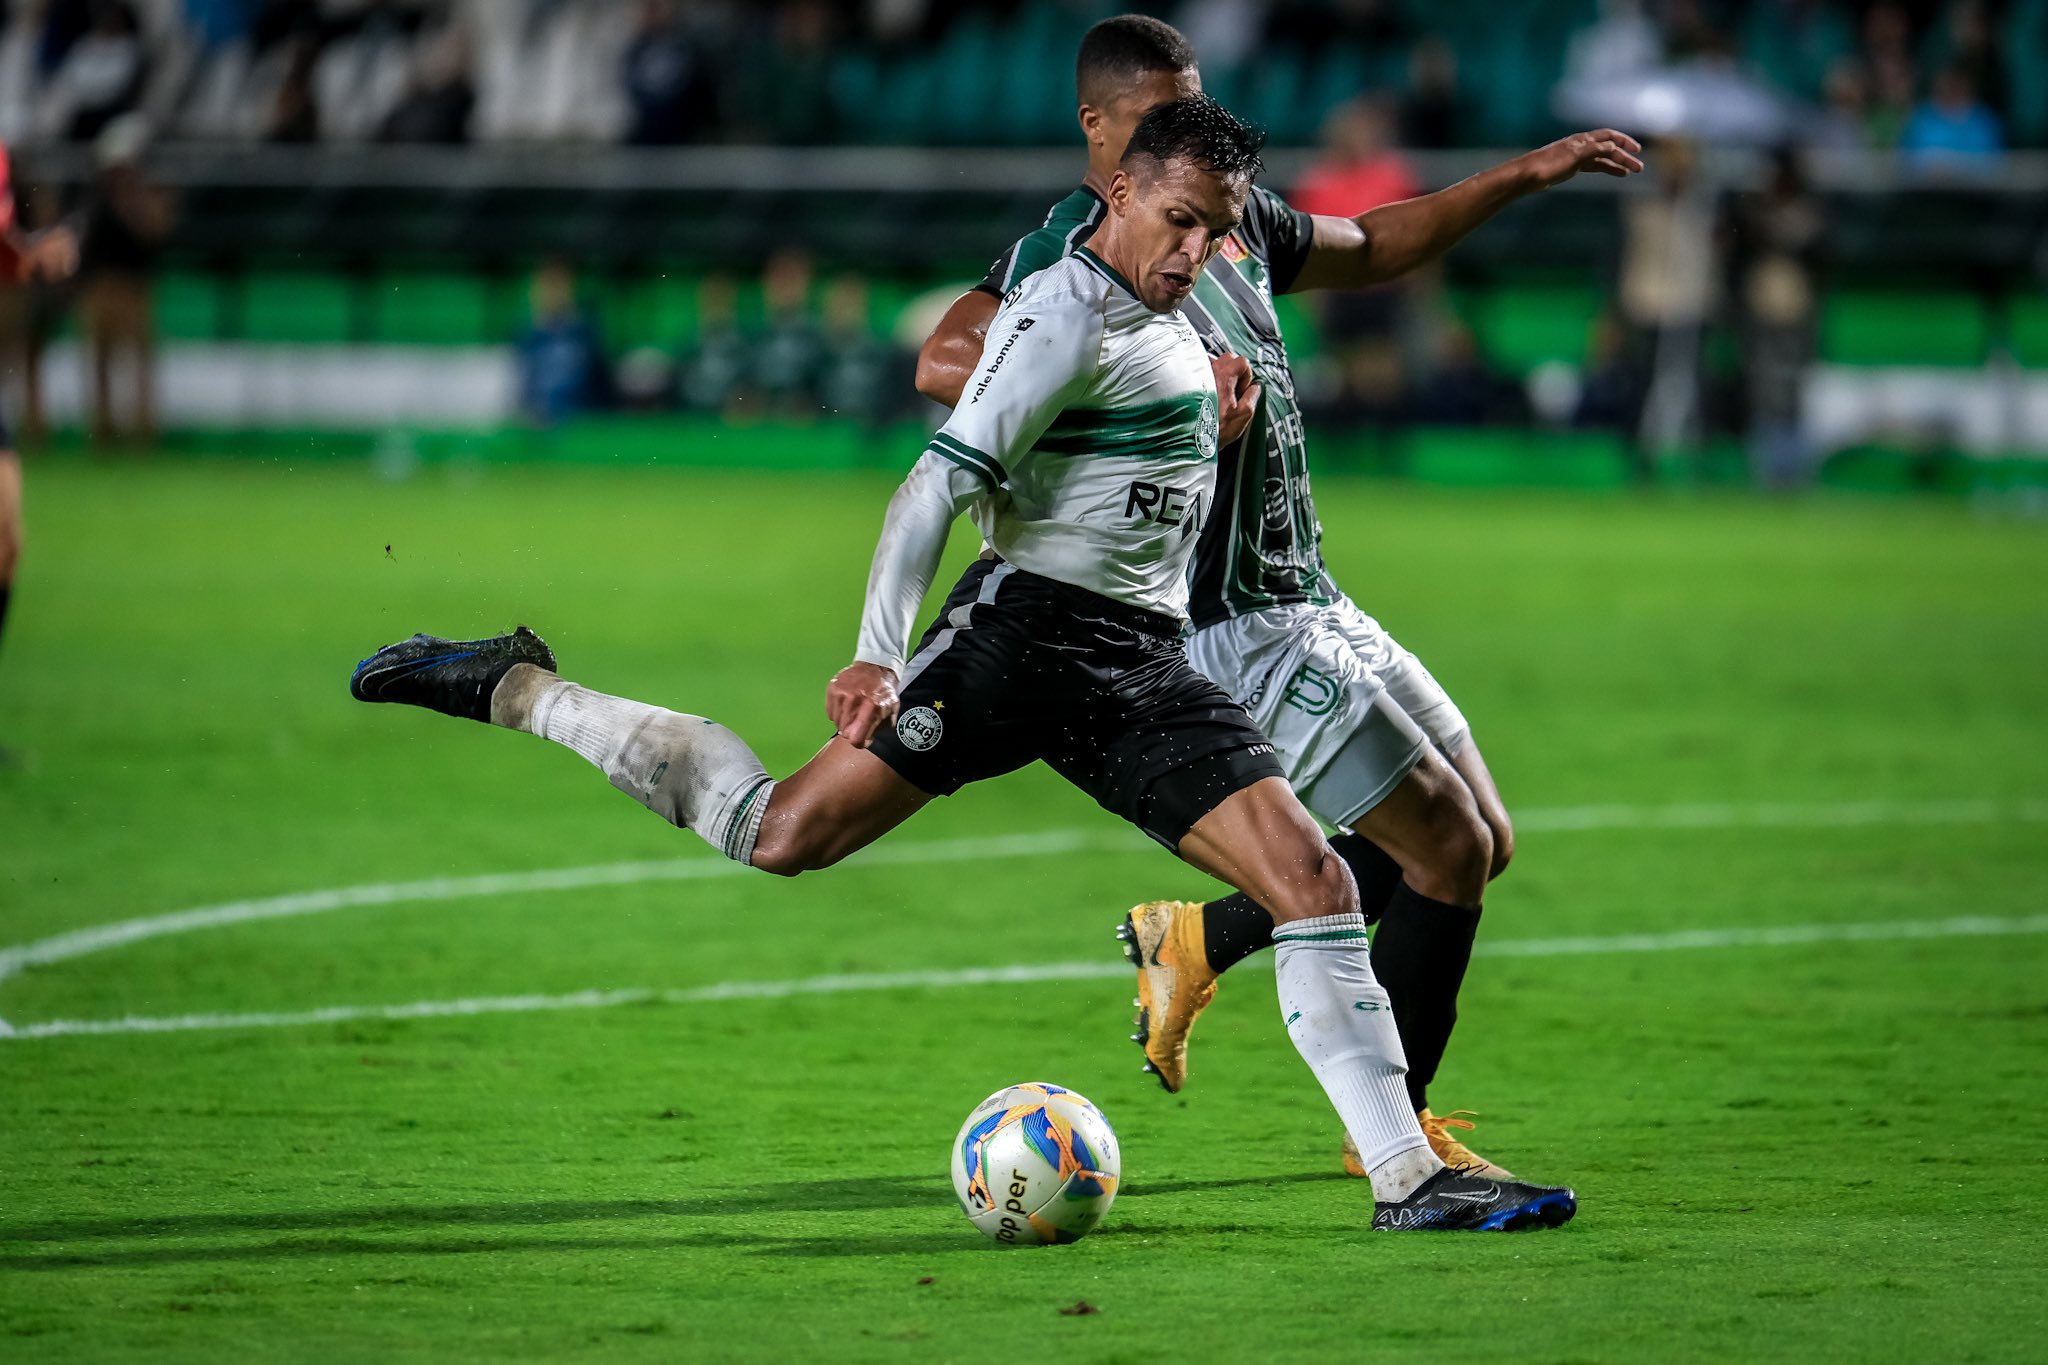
x=1609, y=388
x=1360, y=168
x=668, y=80
x=561, y=363
x=1844, y=122
x=101, y=74
x=126, y=221
x=1622, y=42
x=1799, y=44
x=864, y=376
x=791, y=352
x=1888, y=58
x=1666, y=295
x=29, y=310
x=1459, y=389
x=438, y=98
x=1778, y=235
x=1968, y=42
x=295, y=108
x=715, y=366
x=784, y=92
x=1953, y=131
x=1431, y=115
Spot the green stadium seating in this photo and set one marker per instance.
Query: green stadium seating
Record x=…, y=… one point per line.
x=420, y=309
x=1894, y=327
x=1521, y=326
x=2027, y=315
x=188, y=306
x=296, y=306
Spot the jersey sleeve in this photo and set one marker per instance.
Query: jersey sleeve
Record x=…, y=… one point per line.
x=1277, y=234
x=1041, y=354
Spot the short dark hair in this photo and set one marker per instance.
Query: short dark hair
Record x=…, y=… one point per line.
x=1119, y=50
x=1200, y=130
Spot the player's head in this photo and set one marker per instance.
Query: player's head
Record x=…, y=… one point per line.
x=1179, y=191
x=1129, y=66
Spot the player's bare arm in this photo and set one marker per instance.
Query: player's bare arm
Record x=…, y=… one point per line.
x=1388, y=242
x=951, y=352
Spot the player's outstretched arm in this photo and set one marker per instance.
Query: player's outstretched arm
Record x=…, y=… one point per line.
x=862, y=698
x=1388, y=242
x=953, y=350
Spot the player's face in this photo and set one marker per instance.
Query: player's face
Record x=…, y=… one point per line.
x=1171, y=219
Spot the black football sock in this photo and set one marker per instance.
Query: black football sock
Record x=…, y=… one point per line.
x=1233, y=928
x=6, y=591
x=1419, y=954
x=1236, y=926
x=1373, y=868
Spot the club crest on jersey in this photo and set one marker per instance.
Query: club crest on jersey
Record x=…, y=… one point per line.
x=1208, y=427
x=1233, y=250
x=920, y=728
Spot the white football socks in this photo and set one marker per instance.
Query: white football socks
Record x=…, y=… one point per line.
x=1341, y=1023
x=690, y=771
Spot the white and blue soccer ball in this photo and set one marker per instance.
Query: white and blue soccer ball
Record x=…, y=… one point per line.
x=1035, y=1164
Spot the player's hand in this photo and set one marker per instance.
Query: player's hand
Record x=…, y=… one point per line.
x=860, y=701
x=1603, y=150
x=1237, y=397
x=50, y=255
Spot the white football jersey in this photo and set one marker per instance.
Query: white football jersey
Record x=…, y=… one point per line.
x=1092, y=420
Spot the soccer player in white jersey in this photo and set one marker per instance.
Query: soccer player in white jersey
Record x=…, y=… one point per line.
x=1369, y=739
x=1086, y=450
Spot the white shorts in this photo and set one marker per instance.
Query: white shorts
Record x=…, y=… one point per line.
x=1350, y=711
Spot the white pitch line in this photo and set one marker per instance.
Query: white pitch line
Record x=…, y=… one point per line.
x=1970, y=926
x=1562, y=819
x=99, y=938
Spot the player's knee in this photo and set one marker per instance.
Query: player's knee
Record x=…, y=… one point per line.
x=1460, y=853
x=1503, y=847
x=791, y=851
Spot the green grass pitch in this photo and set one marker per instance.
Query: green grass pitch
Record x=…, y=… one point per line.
x=1711, y=715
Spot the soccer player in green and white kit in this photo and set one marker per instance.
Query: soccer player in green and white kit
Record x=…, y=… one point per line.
x=1372, y=743
x=1086, y=449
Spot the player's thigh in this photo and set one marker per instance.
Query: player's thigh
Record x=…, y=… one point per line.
x=1470, y=765
x=1310, y=692
x=1430, y=824
x=1263, y=841
x=837, y=804
x=1409, y=684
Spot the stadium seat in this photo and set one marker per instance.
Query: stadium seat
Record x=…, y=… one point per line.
x=2028, y=317
x=1521, y=326
x=188, y=306
x=420, y=309
x=1896, y=327
x=296, y=306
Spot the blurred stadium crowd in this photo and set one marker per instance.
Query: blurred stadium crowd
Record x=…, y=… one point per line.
x=1842, y=239
x=1962, y=78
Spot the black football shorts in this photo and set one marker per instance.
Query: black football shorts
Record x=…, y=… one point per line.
x=1021, y=668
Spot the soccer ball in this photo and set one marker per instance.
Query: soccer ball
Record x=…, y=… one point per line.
x=1035, y=1163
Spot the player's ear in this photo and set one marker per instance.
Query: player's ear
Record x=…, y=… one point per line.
x=1122, y=189
x=1091, y=125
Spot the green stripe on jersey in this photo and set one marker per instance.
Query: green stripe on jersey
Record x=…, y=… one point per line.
x=1169, y=427
x=968, y=458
